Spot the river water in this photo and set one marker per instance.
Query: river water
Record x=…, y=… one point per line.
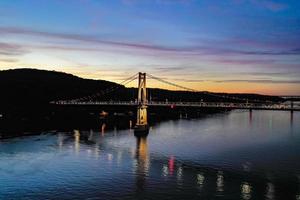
x=235, y=155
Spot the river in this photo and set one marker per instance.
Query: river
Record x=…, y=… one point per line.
x=235, y=155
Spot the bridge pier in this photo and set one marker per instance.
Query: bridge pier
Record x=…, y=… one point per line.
x=142, y=128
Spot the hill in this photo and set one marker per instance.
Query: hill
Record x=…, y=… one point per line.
x=31, y=86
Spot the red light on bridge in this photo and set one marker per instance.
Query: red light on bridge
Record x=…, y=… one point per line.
x=173, y=106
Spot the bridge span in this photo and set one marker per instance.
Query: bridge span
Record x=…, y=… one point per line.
x=250, y=106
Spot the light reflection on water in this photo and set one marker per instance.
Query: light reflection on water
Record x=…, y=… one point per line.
x=220, y=182
x=246, y=191
x=240, y=155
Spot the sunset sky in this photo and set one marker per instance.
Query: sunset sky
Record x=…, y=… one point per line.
x=215, y=45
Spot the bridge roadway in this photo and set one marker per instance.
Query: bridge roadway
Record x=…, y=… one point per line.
x=254, y=106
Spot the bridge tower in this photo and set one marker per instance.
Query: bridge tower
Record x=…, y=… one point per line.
x=141, y=127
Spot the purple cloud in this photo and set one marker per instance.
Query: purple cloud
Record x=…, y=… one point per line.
x=11, y=49
x=82, y=38
x=211, y=48
x=245, y=61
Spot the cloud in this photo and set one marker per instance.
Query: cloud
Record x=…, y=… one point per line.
x=245, y=61
x=9, y=50
x=126, y=46
x=260, y=81
x=289, y=74
x=286, y=42
x=83, y=38
x=167, y=69
x=188, y=80
x=272, y=81
x=8, y=60
x=266, y=45
x=227, y=51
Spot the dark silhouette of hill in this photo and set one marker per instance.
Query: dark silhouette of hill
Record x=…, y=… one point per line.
x=32, y=86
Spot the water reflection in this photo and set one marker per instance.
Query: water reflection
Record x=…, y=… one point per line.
x=220, y=182
x=103, y=126
x=110, y=157
x=119, y=157
x=298, y=192
x=76, y=141
x=60, y=140
x=179, y=175
x=90, y=138
x=246, y=191
x=246, y=166
x=200, y=179
x=115, y=130
x=270, y=191
x=171, y=165
x=96, y=151
x=165, y=170
x=142, y=165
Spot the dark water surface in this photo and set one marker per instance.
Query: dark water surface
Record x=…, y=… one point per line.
x=238, y=155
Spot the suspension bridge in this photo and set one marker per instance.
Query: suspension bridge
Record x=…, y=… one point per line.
x=142, y=102
x=229, y=101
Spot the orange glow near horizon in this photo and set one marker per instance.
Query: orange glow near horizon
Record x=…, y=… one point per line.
x=229, y=87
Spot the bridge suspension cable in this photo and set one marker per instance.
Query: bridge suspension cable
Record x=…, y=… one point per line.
x=173, y=84
x=108, y=90
x=203, y=92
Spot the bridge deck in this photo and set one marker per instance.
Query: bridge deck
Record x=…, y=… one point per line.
x=254, y=106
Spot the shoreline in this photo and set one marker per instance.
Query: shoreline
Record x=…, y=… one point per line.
x=68, y=119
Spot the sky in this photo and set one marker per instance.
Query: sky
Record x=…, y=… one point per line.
x=244, y=46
